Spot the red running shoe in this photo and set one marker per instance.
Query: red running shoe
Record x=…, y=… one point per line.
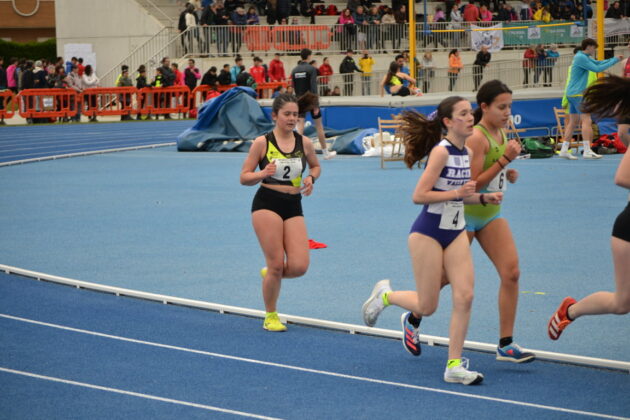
x=559, y=320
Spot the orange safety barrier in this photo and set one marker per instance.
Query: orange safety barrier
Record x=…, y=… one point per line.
x=294, y=38
x=223, y=88
x=201, y=94
x=265, y=90
x=163, y=100
x=257, y=38
x=48, y=103
x=108, y=101
x=7, y=104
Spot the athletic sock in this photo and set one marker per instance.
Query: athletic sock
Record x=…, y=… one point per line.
x=505, y=341
x=414, y=321
x=453, y=362
x=565, y=146
x=587, y=145
x=325, y=152
x=386, y=299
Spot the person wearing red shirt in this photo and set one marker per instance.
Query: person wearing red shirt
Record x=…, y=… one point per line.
x=471, y=12
x=324, y=70
x=179, y=76
x=257, y=71
x=528, y=64
x=276, y=69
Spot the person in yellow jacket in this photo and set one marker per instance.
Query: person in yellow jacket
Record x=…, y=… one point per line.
x=543, y=14
x=366, y=62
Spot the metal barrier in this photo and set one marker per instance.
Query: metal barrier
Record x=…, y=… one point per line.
x=7, y=104
x=48, y=103
x=108, y=101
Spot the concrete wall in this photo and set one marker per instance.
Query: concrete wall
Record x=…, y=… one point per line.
x=114, y=28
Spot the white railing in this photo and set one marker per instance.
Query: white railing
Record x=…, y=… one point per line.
x=510, y=72
x=153, y=9
x=147, y=54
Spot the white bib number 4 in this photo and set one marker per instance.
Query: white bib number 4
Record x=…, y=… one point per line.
x=499, y=182
x=453, y=216
x=288, y=169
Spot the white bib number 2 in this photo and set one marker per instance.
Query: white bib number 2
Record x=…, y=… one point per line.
x=499, y=182
x=453, y=216
x=288, y=169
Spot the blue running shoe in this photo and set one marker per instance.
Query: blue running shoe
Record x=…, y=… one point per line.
x=515, y=354
x=411, y=335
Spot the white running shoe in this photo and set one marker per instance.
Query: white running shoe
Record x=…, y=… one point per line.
x=566, y=155
x=373, y=307
x=329, y=154
x=461, y=375
x=589, y=154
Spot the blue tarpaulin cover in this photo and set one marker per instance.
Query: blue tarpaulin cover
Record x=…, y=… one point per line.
x=230, y=121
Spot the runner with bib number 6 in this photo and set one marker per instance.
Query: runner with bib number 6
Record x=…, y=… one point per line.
x=493, y=152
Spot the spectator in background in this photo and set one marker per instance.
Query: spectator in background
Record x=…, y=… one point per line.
x=278, y=91
x=484, y=14
x=40, y=77
x=552, y=58
x=353, y=5
x=257, y=71
x=360, y=20
x=615, y=11
x=252, y=17
x=236, y=68
x=439, y=15
x=191, y=75
x=90, y=80
x=471, y=12
x=347, y=67
x=540, y=63
x=336, y=91
x=221, y=20
x=190, y=23
x=374, y=33
x=400, y=30
x=124, y=80
x=543, y=14
x=324, y=71
x=11, y=75
x=427, y=71
x=366, y=62
x=167, y=72
x=525, y=11
x=454, y=67
x=346, y=28
x=283, y=10
x=3, y=86
x=73, y=62
x=141, y=83
x=239, y=20
x=276, y=69
x=80, y=66
x=481, y=61
x=388, y=25
x=225, y=76
x=528, y=64
x=179, y=76
x=210, y=78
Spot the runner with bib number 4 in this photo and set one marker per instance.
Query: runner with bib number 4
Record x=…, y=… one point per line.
x=437, y=242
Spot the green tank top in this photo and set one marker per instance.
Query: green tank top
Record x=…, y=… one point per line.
x=477, y=214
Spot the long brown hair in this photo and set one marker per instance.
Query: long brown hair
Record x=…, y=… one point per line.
x=608, y=97
x=420, y=134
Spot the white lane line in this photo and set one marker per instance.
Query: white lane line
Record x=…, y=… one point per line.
x=315, y=371
x=134, y=394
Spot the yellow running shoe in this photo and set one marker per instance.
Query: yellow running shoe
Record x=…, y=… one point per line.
x=272, y=323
